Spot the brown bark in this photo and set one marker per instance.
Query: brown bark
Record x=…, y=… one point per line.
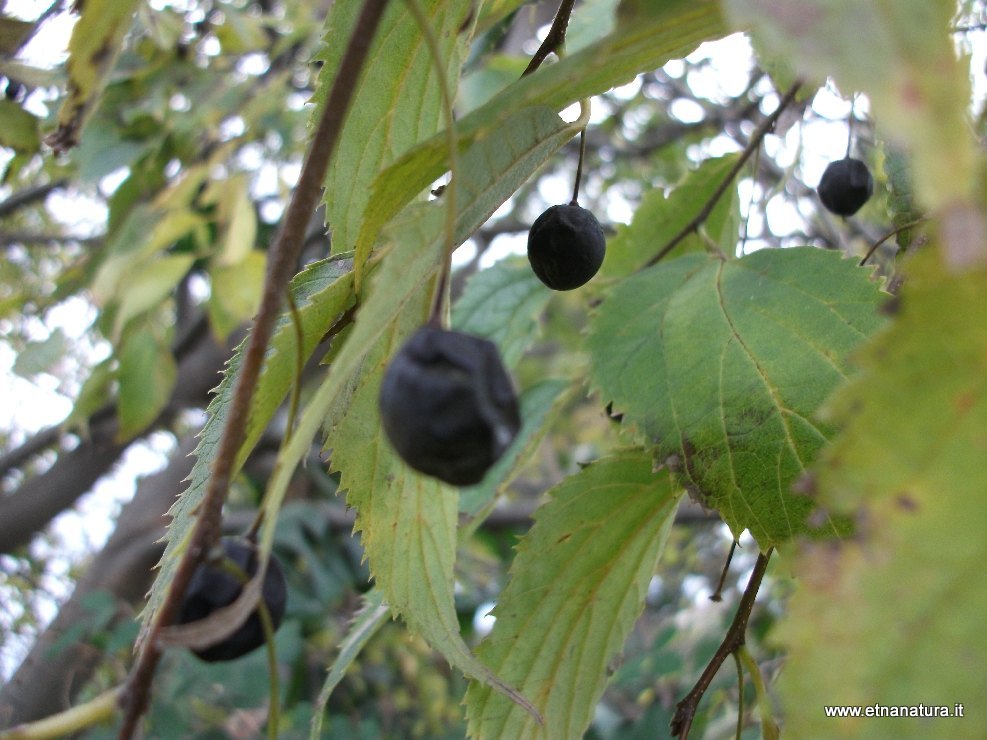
x=47, y=681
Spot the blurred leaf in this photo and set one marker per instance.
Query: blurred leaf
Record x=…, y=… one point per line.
x=94, y=394
x=322, y=292
x=93, y=49
x=13, y=34
x=18, y=128
x=902, y=56
x=236, y=292
x=502, y=303
x=239, y=220
x=41, y=356
x=901, y=200
x=400, y=102
x=146, y=375
x=723, y=365
x=662, y=215
x=144, y=232
x=577, y=584
x=148, y=285
x=672, y=32
x=893, y=616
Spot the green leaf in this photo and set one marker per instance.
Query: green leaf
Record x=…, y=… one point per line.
x=490, y=171
x=407, y=521
x=577, y=585
x=673, y=31
x=902, y=55
x=18, y=128
x=502, y=304
x=146, y=376
x=145, y=231
x=41, y=356
x=94, y=395
x=400, y=102
x=895, y=615
x=96, y=41
x=148, y=285
x=661, y=216
x=723, y=364
x=236, y=292
x=322, y=292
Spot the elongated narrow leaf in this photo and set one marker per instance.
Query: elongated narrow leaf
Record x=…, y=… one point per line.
x=93, y=49
x=321, y=292
x=577, y=585
x=400, y=101
x=669, y=30
x=894, y=615
x=723, y=365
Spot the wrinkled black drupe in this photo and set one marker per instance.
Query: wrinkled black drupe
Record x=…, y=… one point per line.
x=566, y=247
x=845, y=186
x=448, y=406
x=212, y=588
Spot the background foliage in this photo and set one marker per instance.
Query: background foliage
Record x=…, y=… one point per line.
x=831, y=412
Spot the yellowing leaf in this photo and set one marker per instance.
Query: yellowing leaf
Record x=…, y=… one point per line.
x=894, y=615
x=902, y=54
x=18, y=128
x=236, y=291
x=96, y=40
x=149, y=285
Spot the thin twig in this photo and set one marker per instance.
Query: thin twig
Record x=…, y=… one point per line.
x=26, y=197
x=755, y=142
x=555, y=38
x=685, y=710
x=718, y=594
x=283, y=258
x=894, y=232
x=579, y=167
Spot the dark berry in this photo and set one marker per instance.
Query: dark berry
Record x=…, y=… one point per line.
x=212, y=587
x=845, y=186
x=448, y=406
x=566, y=246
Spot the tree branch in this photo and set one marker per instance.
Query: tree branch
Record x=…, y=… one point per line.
x=283, y=259
x=736, y=636
x=555, y=38
x=47, y=681
x=38, y=500
x=766, y=125
x=26, y=197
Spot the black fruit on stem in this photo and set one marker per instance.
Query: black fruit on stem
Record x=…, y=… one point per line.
x=566, y=246
x=212, y=587
x=448, y=406
x=845, y=186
